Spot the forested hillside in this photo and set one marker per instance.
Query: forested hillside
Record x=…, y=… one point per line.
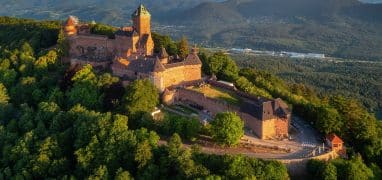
x=63, y=122
x=339, y=28
x=74, y=123
x=344, y=116
x=351, y=78
x=40, y=35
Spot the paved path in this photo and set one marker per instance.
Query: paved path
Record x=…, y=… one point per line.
x=306, y=133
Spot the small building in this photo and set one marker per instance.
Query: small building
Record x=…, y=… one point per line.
x=336, y=144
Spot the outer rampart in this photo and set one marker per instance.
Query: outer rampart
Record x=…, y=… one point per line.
x=263, y=129
x=297, y=167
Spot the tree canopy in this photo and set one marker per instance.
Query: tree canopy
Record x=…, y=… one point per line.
x=141, y=97
x=162, y=41
x=220, y=65
x=227, y=128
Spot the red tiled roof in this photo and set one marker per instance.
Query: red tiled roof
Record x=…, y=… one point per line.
x=333, y=138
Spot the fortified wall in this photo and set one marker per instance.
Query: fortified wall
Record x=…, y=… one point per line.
x=264, y=127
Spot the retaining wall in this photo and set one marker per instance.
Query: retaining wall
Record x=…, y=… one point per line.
x=297, y=167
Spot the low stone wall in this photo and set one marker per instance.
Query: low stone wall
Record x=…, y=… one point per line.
x=297, y=167
x=213, y=105
x=233, y=90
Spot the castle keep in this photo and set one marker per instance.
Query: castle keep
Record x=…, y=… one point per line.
x=130, y=55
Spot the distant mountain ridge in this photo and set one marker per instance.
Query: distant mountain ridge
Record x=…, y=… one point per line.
x=345, y=28
x=372, y=1
x=281, y=9
x=114, y=12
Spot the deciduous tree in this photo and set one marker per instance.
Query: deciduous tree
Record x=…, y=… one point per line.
x=143, y=154
x=227, y=128
x=140, y=97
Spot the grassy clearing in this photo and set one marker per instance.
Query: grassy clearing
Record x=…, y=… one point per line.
x=219, y=93
x=184, y=109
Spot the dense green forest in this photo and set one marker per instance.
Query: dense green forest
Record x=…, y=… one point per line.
x=351, y=78
x=63, y=122
x=39, y=34
x=342, y=169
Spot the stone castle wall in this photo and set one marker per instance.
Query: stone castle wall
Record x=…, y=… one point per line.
x=177, y=75
x=253, y=123
x=173, y=76
x=268, y=129
x=193, y=72
x=213, y=105
x=104, y=48
x=80, y=44
x=282, y=126
x=263, y=129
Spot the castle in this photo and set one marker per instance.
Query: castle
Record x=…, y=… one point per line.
x=130, y=55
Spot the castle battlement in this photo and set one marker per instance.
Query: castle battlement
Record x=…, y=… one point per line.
x=131, y=53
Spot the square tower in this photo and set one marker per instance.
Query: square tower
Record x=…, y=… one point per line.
x=142, y=21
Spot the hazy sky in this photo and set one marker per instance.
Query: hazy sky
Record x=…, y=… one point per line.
x=372, y=1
